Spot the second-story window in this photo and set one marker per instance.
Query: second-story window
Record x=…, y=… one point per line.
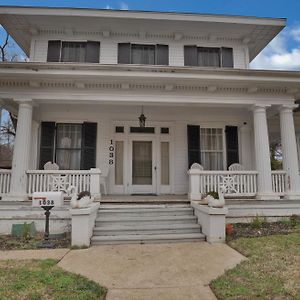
x=208, y=57
x=67, y=51
x=143, y=54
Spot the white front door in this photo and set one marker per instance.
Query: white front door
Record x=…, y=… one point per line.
x=142, y=166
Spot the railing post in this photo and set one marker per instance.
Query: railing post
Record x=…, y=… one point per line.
x=194, y=185
x=95, y=183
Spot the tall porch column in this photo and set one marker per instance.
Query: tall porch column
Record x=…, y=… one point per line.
x=262, y=154
x=21, y=152
x=289, y=151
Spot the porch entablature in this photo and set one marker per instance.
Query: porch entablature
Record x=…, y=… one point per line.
x=112, y=84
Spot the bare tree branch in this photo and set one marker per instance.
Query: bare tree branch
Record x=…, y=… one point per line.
x=3, y=48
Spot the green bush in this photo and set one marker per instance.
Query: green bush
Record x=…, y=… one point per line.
x=258, y=221
x=213, y=194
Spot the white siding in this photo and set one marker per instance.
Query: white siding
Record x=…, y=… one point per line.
x=40, y=47
x=109, y=49
x=108, y=52
x=174, y=117
x=176, y=55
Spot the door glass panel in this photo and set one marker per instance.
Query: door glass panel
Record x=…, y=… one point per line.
x=142, y=162
x=165, y=165
x=119, y=162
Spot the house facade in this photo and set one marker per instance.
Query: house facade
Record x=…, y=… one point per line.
x=141, y=96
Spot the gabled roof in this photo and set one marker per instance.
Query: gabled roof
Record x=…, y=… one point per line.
x=24, y=22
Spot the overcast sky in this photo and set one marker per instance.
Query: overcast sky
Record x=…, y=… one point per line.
x=282, y=53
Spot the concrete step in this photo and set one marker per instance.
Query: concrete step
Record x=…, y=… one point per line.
x=147, y=229
x=140, y=220
x=143, y=206
x=145, y=238
x=148, y=212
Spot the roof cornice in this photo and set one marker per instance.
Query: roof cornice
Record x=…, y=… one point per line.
x=135, y=14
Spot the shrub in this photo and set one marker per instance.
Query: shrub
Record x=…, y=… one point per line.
x=213, y=194
x=258, y=221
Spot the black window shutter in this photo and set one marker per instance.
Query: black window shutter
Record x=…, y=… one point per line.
x=92, y=52
x=88, y=149
x=227, y=57
x=232, y=145
x=194, y=153
x=190, y=56
x=53, y=51
x=124, y=53
x=47, y=143
x=162, y=55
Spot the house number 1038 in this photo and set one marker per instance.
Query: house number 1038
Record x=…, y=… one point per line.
x=111, y=153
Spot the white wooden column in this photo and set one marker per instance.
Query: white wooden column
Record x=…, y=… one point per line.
x=262, y=154
x=21, y=152
x=289, y=151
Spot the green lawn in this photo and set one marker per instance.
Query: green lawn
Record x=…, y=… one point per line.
x=43, y=279
x=272, y=270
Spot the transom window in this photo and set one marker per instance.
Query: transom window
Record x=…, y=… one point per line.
x=208, y=56
x=212, y=148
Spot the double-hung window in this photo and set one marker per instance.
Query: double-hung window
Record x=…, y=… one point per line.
x=68, y=146
x=72, y=146
x=208, y=57
x=212, y=148
x=73, y=51
x=143, y=54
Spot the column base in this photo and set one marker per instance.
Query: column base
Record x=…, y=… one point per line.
x=292, y=196
x=270, y=196
x=14, y=197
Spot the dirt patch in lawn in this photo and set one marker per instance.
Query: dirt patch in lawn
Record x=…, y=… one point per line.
x=260, y=227
x=7, y=242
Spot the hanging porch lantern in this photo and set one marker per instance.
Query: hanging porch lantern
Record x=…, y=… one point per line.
x=142, y=119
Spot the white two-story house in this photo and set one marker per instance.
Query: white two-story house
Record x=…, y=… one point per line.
x=141, y=96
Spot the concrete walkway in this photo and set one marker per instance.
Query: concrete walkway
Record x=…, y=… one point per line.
x=154, y=271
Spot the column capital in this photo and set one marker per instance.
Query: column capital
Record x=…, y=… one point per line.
x=288, y=108
x=22, y=100
x=260, y=107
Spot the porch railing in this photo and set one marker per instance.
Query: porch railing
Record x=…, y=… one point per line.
x=60, y=180
x=279, y=182
x=5, y=176
x=236, y=183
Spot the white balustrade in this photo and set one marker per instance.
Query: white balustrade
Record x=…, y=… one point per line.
x=279, y=182
x=60, y=180
x=5, y=177
x=237, y=183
